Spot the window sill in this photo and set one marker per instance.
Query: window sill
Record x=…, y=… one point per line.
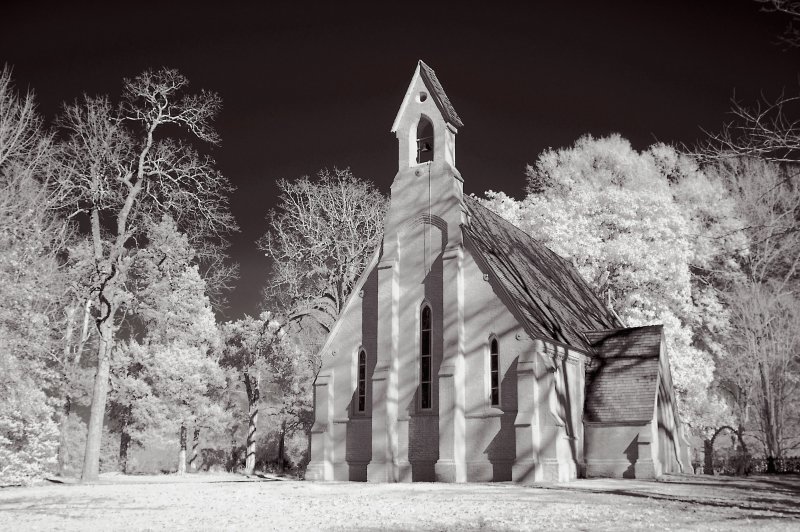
x=488, y=412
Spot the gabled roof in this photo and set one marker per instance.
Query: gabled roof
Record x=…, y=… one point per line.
x=622, y=382
x=436, y=92
x=551, y=297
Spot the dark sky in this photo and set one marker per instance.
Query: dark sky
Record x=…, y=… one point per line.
x=307, y=86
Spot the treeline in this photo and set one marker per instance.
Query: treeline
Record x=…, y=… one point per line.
x=707, y=244
x=113, y=260
x=113, y=263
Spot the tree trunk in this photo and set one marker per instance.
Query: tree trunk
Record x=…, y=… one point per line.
x=233, y=464
x=708, y=457
x=182, y=453
x=124, y=440
x=308, y=449
x=62, y=439
x=66, y=368
x=771, y=464
x=94, y=433
x=124, y=443
x=744, y=464
x=768, y=418
x=253, y=395
x=282, y=446
x=193, y=465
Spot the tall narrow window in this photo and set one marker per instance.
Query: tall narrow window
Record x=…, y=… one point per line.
x=494, y=375
x=362, y=381
x=424, y=140
x=425, y=359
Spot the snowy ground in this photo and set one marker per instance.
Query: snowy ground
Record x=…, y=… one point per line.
x=215, y=502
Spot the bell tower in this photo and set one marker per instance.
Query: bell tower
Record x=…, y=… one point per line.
x=418, y=385
x=427, y=182
x=426, y=124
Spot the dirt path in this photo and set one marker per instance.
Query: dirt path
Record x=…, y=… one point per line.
x=228, y=502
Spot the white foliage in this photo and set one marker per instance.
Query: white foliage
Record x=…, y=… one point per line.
x=28, y=434
x=636, y=225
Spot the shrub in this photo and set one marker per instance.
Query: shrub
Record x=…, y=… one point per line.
x=28, y=434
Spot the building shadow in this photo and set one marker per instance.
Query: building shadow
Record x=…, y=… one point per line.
x=632, y=454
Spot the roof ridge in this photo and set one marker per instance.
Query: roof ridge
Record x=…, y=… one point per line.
x=616, y=329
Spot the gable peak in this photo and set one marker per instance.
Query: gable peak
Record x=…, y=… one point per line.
x=428, y=77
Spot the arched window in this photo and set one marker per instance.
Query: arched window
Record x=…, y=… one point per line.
x=494, y=372
x=362, y=381
x=424, y=140
x=426, y=392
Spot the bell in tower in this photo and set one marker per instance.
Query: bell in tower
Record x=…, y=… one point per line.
x=424, y=140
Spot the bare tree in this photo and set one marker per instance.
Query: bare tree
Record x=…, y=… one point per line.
x=763, y=367
x=320, y=239
x=767, y=196
x=769, y=129
x=758, y=154
x=766, y=362
x=32, y=283
x=791, y=8
x=122, y=171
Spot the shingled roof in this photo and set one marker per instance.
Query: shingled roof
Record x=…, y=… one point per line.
x=438, y=94
x=552, y=299
x=622, y=381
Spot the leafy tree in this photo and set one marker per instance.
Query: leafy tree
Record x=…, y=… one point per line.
x=633, y=225
x=122, y=171
x=295, y=369
x=31, y=236
x=167, y=376
x=181, y=376
x=28, y=434
x=32, y=282
x=251, y=345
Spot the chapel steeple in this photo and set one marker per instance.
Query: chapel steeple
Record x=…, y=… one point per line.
x=426, y=124
x=427, y=190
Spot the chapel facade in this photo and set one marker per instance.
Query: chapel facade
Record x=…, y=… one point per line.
x=468, y=351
